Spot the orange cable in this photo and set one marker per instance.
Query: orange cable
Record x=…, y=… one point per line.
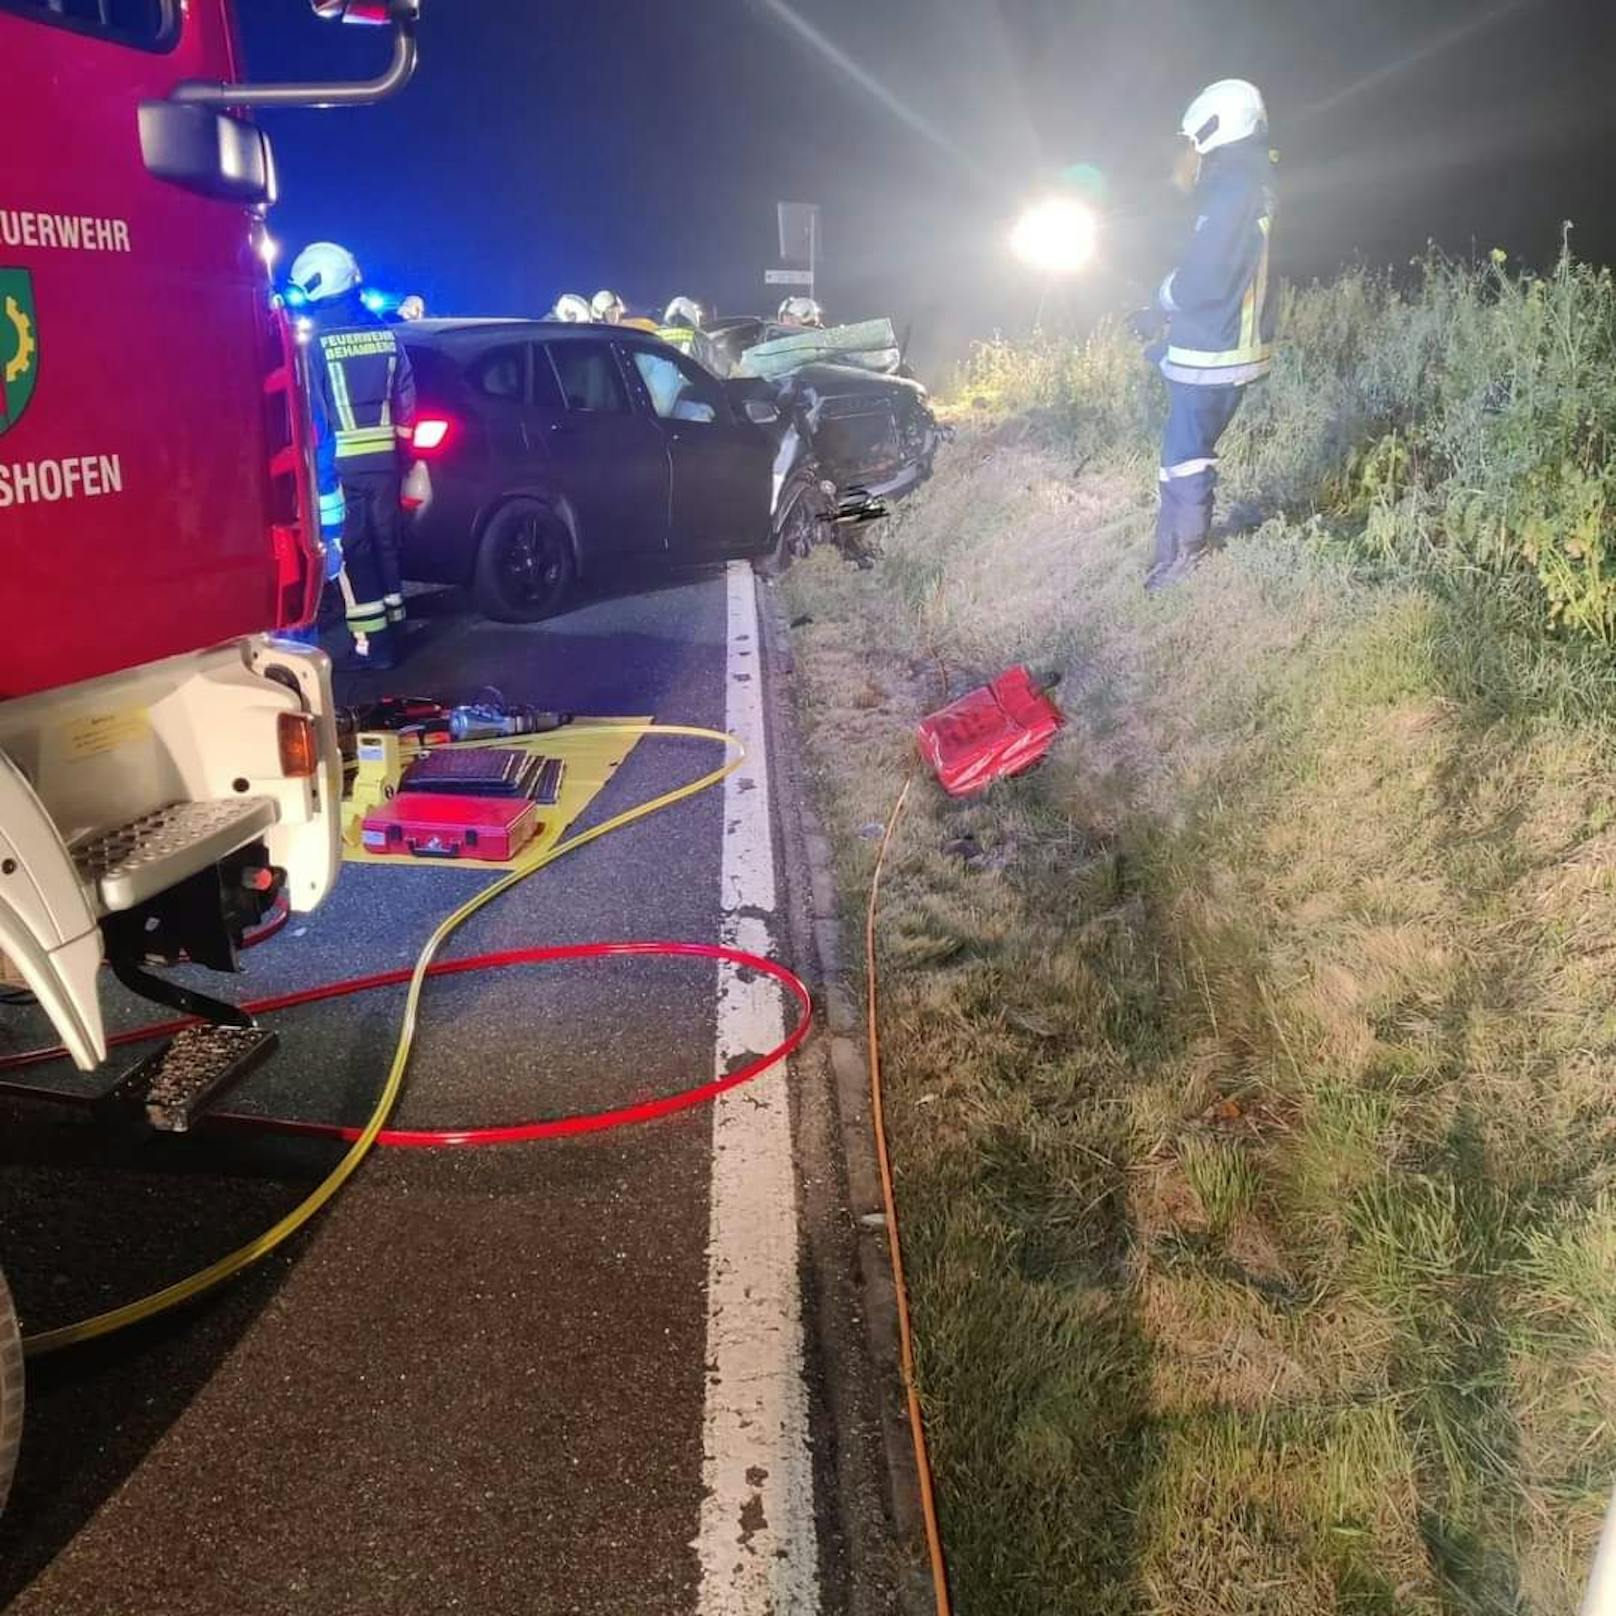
x=906, y=1346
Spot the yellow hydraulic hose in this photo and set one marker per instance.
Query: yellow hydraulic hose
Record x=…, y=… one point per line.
x=260, y=1246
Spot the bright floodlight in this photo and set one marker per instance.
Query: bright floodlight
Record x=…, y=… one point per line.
x=1055, y=236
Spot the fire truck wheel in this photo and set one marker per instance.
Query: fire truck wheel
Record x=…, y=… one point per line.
x=11, y=1387
x=525, y=565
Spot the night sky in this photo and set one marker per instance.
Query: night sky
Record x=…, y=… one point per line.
x=642, y=145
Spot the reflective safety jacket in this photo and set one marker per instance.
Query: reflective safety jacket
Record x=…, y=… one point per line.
x=687, y=339
x=1221, y=302
x=363, y=376
x=327, y=484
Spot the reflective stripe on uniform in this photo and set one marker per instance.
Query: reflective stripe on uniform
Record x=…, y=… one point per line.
x=395, y=608
x=362, y=617
x=387, y=396
x=365, y=440
x=1187, y=468
x=339, y=396
x=1251, y=305
x=1222, y=376
x=355, y=342
x=332, y=508
x=1256, y=353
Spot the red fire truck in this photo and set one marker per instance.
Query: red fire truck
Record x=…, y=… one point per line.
x=168, y=766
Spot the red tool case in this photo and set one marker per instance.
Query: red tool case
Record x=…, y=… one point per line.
x=421, y=824
x=1001, y=729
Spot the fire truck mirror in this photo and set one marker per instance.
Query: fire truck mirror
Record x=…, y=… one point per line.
x=207, y=151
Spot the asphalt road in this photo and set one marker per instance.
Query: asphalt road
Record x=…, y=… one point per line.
x=478, y=1381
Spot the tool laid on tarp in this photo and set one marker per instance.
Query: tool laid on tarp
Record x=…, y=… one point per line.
x=436, y=824
x=435, y=723
x=999, y=730
x=475, y=771
x=389, y=815
x=403, y=751
x=464, y=802
x=480, y=721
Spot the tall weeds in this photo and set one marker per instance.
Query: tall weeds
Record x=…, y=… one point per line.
x=1462, y=424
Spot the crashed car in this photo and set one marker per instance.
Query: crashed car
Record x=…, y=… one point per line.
x=866, y=432
x=552, y=453
x=556, y=452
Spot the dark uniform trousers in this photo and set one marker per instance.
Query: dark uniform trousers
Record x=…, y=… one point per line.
x=1196, y=418
x=372, y=586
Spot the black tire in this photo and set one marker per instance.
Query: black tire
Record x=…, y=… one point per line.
x=11, y=1389
x=804, y=522
x=525, y=564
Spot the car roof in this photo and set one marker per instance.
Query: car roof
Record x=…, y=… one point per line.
x=472, y=327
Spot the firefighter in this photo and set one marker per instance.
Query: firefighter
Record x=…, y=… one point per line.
x=681, y=329
x=363, y=378
x=572, y=308
x=801, y=311
x=1219, y=307
x=607, y=308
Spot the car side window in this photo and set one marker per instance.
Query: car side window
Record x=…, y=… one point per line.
x=590, y=380
x=680, y=391
x=501, y=373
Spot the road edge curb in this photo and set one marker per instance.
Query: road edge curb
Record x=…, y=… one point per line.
x=844, y=1055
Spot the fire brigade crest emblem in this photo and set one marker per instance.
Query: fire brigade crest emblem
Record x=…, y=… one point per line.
x=19, y=345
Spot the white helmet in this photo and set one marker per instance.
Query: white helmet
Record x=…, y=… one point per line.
x=1223, y=113
x=607, y=307
x=412, y=307
x=684, y=311
x=801, y=311
x=323, y=270
x=572, y=308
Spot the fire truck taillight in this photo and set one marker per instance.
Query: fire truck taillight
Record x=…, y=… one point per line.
x=299, y=746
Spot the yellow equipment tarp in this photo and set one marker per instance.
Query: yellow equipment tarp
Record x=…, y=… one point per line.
x=591, y=750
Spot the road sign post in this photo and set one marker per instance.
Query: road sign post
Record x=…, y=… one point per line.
x=798, y=224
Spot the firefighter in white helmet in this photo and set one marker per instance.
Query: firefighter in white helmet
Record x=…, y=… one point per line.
x=682, y=328
x=684, y=311
x=366, y=389
x=607, y=308
x=1219, y=306
x=572, y=308
x=801, y=311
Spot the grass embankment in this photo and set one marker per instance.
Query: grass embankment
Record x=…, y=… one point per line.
x=1253, y=1064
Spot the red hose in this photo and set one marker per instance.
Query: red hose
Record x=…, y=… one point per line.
x=499, y=1134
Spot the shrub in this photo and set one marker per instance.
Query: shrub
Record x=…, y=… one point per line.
x=1463, y=422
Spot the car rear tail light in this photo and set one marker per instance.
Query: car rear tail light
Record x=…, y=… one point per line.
x=430, y=435
x=299, y=746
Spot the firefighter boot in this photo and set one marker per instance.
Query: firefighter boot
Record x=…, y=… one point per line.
x=1183, y=528
x=1166, y=552
x=374, y=652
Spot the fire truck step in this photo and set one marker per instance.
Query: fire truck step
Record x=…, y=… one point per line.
x=134, y=862
x=175, y=1085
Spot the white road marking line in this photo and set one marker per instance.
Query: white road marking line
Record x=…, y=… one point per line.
x=756, y=1540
